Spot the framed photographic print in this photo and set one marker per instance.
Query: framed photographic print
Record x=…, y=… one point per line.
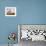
x=10, y=11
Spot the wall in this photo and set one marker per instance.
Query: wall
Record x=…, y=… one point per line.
x=28, y=12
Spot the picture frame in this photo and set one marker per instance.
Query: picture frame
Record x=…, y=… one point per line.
x=10, y=11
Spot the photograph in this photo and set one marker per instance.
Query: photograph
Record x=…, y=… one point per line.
x=10, y=11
